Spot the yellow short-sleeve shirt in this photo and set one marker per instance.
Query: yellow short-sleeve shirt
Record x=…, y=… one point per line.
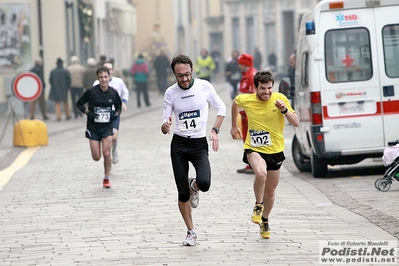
x=265, y=122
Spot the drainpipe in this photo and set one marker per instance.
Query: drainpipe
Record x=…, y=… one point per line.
x=39, y=13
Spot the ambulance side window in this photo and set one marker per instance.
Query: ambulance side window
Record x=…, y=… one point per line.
x=347, y=55
x=305, y=68
x=390, y=37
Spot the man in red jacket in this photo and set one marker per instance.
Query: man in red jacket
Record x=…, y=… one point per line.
x=245, y=63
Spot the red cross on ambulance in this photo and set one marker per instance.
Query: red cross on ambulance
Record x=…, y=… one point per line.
x=347, y=61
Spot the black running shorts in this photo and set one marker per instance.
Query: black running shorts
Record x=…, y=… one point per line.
x=273, y=161
x=98, y=135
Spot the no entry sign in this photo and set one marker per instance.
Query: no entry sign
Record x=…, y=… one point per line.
x=27, y=86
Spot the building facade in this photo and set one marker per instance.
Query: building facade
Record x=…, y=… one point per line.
x=243, y=25
x=55, y=29
x=155, y=29
x=120, y=29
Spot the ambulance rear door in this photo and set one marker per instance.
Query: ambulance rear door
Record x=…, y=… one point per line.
x=387, y=29
x=349, y=83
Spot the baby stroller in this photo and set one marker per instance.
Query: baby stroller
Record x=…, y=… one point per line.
x=391, y=160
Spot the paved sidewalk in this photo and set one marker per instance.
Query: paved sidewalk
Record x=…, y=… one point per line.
x=8, y=152
x=54, y=211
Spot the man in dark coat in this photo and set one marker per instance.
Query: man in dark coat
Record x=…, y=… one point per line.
x=257, y=59
x=90, y=75
x=162, y=68
x=60, y=81
x=38, y=70
x=233, y=73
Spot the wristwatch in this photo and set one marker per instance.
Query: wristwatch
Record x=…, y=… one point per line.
x=216, y=130
x=285, y=111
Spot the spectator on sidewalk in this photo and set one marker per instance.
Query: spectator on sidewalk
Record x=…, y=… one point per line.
x=103, y=59
x=245, y=63
x=204, y=65
x=233, y=73
x=60, y=81
x=272, y=58
x=291, y=74
x=162, y=69
x=116, y=72
x=140, y=72
x=76, y=70
x=89, y=76
x=38, y=70
x=257, y=59
x=217, y=58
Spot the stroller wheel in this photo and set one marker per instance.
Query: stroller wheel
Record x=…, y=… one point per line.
x=384, y=185
x=377, y=183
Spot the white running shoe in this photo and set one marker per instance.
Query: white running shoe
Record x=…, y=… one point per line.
x=194, y=194
x=191, y=239
x=115, y=159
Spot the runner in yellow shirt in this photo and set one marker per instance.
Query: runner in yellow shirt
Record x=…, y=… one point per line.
x=264, y=143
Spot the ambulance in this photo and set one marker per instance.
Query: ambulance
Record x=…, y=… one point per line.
x=346, y=83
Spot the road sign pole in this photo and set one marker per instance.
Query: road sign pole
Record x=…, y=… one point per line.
x=11, y=113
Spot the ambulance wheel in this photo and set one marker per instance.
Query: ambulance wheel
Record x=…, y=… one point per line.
x=384, y=185
x=377, y=183
x=319, y=166
x=301, y=161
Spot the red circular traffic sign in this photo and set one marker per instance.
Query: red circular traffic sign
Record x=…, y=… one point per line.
x=27, y=86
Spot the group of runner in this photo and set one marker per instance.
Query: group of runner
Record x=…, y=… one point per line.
x=188, y=101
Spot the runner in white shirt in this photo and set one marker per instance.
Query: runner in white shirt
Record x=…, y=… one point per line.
x=120, y=87
x=189, y=100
